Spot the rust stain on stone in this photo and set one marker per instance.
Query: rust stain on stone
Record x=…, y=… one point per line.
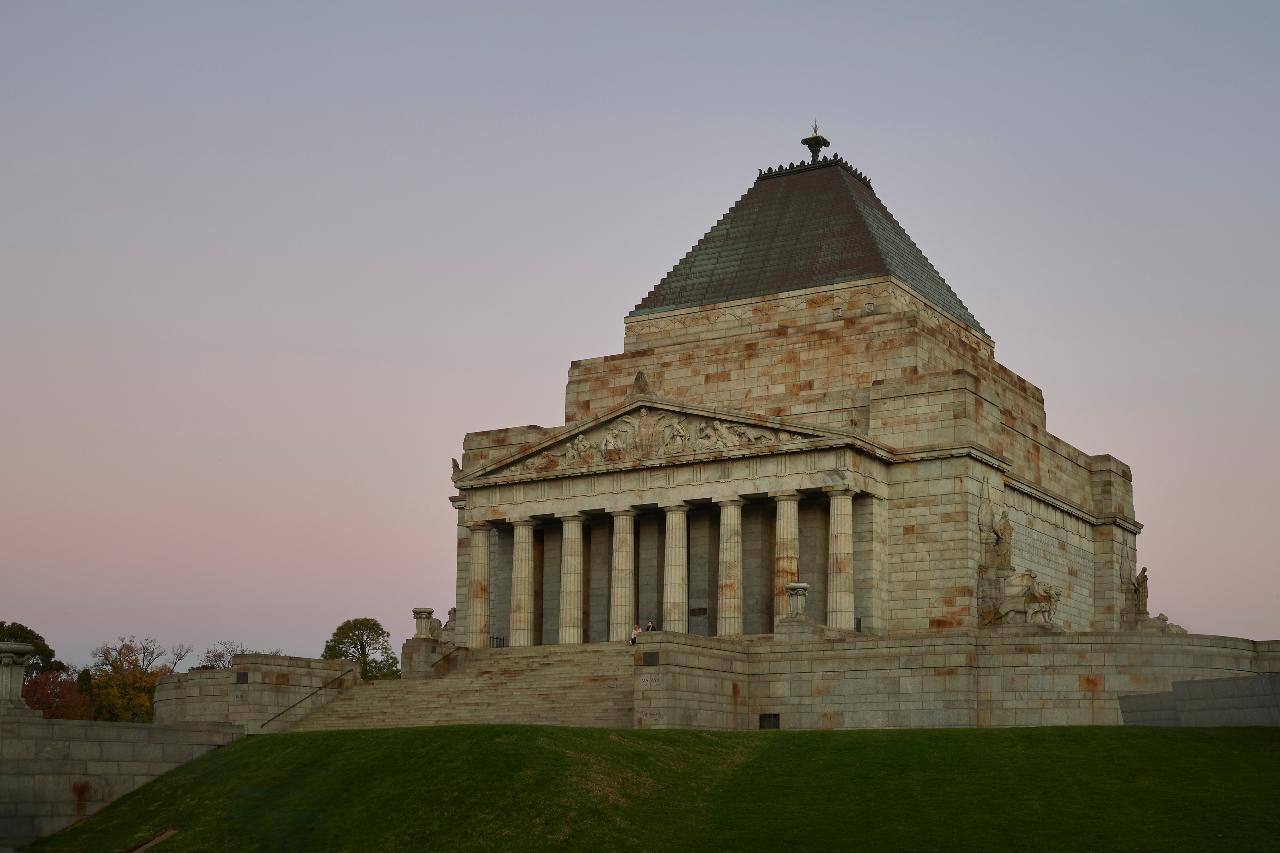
x=81, y=791
x=1091, y=683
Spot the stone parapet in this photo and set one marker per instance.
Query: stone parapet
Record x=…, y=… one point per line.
x=257, y=693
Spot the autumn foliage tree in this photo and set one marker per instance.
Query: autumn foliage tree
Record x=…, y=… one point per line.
x=58, y=696
x=125, y=674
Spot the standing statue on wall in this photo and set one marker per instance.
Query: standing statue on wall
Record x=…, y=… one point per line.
x=1140, y=592
x=1003, y=530
x=446, y=633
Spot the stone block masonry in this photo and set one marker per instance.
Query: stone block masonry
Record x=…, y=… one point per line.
x=55, y=772
x=259, y=693
x=1244, y=701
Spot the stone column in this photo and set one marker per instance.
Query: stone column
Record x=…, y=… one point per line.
x=462, y=583
x=840, y=602
x=522, y=584
x=786, y=550
x=622, y=576
x=729, y=602
x=478, y=588
x=675, y=574
x=571, y=579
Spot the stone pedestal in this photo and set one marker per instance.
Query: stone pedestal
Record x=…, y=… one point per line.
x=13, y=657
x=797, y=598
x=425, y=623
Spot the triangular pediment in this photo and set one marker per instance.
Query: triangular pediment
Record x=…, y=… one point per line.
x=648, y=431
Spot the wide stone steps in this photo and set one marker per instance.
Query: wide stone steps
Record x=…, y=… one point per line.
x=589, y=685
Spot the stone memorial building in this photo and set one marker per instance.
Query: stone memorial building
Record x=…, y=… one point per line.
x=809, y=474
x=803, y=398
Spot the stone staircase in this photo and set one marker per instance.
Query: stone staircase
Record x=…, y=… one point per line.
x=587, y=685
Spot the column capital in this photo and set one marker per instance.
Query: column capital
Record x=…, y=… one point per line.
x=571, y=516
x=680, y=507
x=522, y=522
x=623, y=513
x=785, y=496
x=458, y=501
x=730, y=502
x=478, y=525
x=839, y=491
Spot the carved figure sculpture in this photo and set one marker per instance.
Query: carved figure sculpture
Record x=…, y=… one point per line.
x=707, y=438
x=724, y=438
x=611, y=446
x=433, y=625
x=675, y=438
x=1140, y=592
x=1003, y=530
x=446, y=633
x=457, y=469
x=1027, y=600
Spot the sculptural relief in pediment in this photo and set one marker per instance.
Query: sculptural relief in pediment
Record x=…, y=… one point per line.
x=650, y=434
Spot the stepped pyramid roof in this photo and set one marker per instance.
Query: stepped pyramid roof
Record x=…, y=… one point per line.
x=800, y=226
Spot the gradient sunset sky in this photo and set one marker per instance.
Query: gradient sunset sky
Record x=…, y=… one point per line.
x=263, y=265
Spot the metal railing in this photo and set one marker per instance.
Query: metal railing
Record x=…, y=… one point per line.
x=324, y=686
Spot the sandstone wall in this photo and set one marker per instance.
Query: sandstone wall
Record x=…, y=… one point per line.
x=1008, y=677
x=255, y=689
x=55, y=772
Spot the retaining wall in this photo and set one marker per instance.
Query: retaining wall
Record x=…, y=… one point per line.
x=55, y=772
x=1244, y=701
x=1007, y=677
x=256, y=692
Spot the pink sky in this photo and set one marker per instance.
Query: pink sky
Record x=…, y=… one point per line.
x=262, y=267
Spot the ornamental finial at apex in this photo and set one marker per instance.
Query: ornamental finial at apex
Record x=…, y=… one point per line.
x=815, y=143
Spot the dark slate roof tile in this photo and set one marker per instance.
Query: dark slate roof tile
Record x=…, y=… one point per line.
x=799, y=228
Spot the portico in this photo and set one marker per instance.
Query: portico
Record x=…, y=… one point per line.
x=661, y=512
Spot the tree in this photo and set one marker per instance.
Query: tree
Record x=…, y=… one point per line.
x=365, y=642
x=58, y=696
x=125, y=675
x=218, y=656
x=44, y=659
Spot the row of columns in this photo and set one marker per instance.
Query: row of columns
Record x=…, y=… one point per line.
x=675, y=580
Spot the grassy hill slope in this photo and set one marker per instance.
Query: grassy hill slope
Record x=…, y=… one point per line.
x=525, y=788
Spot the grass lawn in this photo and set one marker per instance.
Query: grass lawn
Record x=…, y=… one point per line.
x=528, y=788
